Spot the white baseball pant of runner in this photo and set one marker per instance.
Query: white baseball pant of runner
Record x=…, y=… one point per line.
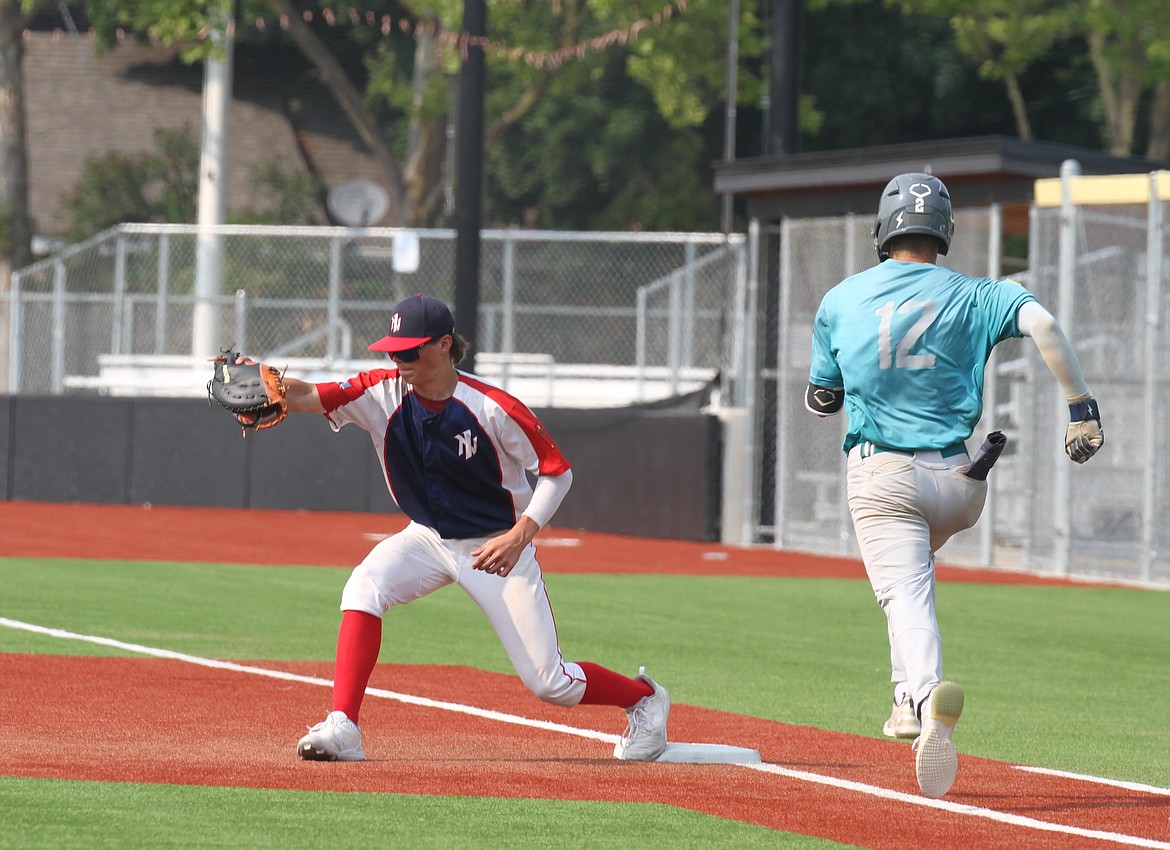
x=904, y=508
x=417, y=561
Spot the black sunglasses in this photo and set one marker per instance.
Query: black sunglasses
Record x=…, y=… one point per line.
x=409, y=355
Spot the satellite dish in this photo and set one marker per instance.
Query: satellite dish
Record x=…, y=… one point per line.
x=358, y=203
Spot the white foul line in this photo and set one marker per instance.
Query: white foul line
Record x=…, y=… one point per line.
x=804, y=776
x=308, y=680
x=961, y=808
x=1116, y=783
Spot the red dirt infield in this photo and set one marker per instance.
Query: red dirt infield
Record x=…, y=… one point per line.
x=200, y=725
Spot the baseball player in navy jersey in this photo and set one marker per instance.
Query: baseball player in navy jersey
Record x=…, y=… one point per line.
x=457, y=453
x=902, y=348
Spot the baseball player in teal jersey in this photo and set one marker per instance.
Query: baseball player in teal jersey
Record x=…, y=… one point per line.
x=902, y=348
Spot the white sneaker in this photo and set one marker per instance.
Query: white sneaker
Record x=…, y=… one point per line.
x=903, y=721
x=336, y=738
x=645, y=736
x=935, y=762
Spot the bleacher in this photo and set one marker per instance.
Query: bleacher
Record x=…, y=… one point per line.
x=536, y=379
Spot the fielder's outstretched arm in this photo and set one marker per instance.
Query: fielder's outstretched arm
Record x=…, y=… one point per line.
x=302, y=397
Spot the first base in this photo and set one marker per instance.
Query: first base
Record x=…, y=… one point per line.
x=708, y=754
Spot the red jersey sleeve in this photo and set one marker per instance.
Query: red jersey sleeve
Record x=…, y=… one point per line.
x=334, y=394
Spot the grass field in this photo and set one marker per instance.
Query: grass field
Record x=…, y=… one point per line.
x=1070, y=678
x=55, y=814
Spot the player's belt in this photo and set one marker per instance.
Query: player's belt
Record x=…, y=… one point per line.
x=869, y=449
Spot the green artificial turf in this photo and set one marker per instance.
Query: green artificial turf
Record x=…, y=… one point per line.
x=1072, y=678
x=36, y=814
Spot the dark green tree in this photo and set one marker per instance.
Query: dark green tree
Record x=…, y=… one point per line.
x=393, y=66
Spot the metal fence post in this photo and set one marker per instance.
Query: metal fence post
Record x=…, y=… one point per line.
x=739, y=320
x=57, y=362
x=1028, y=453
x=783, y=378
x=688, y=309
x=991, y=385
x=15, y=336
x=241, y=320
x=1066, y=287
x=163, y=295
x=508, y=308
x=674, y=333
x=334, y=306
x=1152, y=424
x=119, y=304
x=748, y=378
x=642, y=299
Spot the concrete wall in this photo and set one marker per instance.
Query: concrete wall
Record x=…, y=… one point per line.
x=640, y=471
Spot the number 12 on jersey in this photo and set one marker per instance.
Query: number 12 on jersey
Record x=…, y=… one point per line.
x=899, y=357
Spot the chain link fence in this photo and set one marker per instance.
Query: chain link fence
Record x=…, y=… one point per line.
x=1102, y=259
x=802, y=499
x=596, y=319
x=1101, y=269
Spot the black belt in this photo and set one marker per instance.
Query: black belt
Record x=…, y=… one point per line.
x=869, y=449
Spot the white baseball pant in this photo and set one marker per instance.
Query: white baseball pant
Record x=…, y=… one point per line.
x=904, y=508
x=417, y=561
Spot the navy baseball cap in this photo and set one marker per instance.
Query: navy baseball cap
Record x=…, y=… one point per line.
x=415, y=320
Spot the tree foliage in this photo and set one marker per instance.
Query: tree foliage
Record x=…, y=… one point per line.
x=608, y=113
x=393, y=66
x=919, y=87
x=1126, y=42
x=162, y=185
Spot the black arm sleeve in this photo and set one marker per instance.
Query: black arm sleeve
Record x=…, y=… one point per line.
x=824, y=401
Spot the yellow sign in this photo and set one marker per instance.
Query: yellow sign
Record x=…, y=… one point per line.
x=1104, y=189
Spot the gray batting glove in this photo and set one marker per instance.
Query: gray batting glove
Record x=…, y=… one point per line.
x=1084, y=436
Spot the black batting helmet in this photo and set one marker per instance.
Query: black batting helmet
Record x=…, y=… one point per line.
x=914, y=203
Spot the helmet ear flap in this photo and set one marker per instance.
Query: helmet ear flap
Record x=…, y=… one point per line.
x=877, y=239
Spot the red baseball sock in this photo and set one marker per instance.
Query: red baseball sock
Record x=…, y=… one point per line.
x=358, y=642
x=605, y=687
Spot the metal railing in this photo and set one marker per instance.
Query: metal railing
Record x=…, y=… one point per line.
x=616, y=301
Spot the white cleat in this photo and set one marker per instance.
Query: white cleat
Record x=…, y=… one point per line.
x=935, y=762
x=336, y=738
x=645, y=736
x=903, y=721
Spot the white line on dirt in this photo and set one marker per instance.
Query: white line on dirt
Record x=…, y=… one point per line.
x=307, y=680
x=961, y=808
x=777, y=770
x=1115, y=783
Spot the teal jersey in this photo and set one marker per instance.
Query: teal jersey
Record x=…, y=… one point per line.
x=909, y=343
